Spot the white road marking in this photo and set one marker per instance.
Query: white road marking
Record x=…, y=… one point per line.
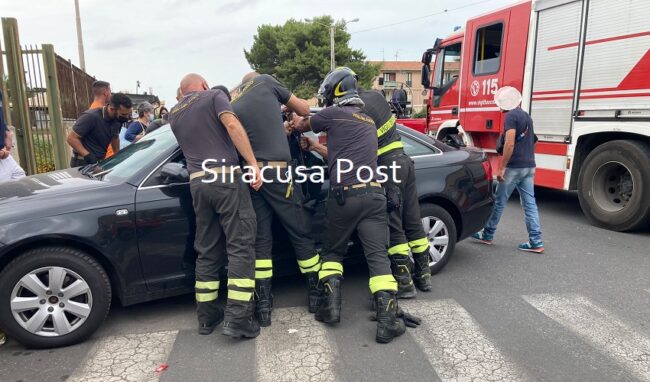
x=131, y=357
x=295, y=348
x=455, y=344
x=599, y=328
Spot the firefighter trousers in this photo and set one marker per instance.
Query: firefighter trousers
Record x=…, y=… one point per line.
x=285, y=202
x=225, y=235
x=364, y=213
x=405, y=222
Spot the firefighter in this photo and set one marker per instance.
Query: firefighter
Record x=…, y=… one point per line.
x=405, y=224
x=205, y=125
x=353, y=204
x=258, y=107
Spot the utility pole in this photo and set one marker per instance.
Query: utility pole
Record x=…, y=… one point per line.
x=332, y=29
x=332, y=58
x=80, y=42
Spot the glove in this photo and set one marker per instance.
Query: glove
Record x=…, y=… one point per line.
x=409, y=320
x=393, y=198
x=90, y=158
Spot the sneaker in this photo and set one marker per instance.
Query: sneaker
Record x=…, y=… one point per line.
x=529, y=246
x=483, y=237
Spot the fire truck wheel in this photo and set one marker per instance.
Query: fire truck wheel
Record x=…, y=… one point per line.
x=613, y=185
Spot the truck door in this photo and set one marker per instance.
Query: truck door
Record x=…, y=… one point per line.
x=483, y=74
x=444, y=105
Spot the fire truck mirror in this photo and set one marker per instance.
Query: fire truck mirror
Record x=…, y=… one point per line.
x=426, y=75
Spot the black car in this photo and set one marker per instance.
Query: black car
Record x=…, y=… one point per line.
x=71, y=240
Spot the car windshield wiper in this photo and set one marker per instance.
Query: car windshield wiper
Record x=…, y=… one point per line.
x=87, y=170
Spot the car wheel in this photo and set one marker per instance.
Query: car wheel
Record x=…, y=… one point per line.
x=52, y=297
x=440, y=229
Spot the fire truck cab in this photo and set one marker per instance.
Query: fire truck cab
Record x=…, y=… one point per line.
x=583, y=67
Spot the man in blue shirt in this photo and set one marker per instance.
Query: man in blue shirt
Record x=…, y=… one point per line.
x=517, y=171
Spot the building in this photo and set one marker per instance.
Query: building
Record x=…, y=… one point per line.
x=407, y=74
x=401, y=74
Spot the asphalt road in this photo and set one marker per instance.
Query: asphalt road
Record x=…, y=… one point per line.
x=579, y=312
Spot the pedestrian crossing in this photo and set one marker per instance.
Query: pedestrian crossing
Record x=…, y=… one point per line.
x=598, y=327
x=456, y=346
x=298, y=348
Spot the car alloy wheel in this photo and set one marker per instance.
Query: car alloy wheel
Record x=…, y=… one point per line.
x=51, y=301
x=438, y=236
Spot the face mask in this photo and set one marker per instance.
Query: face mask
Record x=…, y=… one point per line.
x=122, y=119
x=151, y=118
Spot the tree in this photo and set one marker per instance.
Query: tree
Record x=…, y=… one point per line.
x=298, y=54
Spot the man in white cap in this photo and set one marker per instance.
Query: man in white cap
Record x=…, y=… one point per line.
x=517, y=170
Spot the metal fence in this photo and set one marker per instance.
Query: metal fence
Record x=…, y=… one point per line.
x=43, y=147
x=75, y=87
x=41, y=90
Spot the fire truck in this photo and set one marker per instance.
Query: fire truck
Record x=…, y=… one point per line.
x=583, y=67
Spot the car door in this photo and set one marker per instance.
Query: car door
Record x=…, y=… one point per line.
x=165, y=226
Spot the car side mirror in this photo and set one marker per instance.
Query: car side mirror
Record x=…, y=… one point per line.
x=174, y=173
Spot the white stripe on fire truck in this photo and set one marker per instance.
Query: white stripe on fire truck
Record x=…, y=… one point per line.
x=551, y=162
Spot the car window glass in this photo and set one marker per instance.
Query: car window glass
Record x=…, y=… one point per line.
x=134, y=157
x=155, y=179
x=414, y=148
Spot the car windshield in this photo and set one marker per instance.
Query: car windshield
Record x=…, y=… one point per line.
x=134, y=157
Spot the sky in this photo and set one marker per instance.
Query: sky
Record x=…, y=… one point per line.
x=157, y=42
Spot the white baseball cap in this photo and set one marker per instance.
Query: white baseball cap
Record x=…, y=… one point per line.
x=507, y=98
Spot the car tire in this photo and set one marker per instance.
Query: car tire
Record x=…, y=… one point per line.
x=613, y=183
x=442, y=240
x=66, y=320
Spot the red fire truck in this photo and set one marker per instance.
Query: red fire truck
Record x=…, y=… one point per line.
x=583, y=67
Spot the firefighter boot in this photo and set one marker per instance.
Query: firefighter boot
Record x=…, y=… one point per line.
x=313, y=291
x=421, y=271
x=210, y=315
x=245, y=327
x=401, y=267
x=264, y=301
x=329, y=307
x=388, y=325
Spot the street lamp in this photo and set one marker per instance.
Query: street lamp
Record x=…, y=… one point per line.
x=332, y=29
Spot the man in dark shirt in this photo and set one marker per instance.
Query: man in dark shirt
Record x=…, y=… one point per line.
x=258, y=106
x=210, y=136
x=354, y=204
x=406, y=232
x=517, y=171
x=95, y=129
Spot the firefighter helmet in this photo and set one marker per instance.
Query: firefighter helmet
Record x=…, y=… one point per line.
x=338, y=85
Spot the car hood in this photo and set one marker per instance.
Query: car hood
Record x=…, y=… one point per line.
x=48, y=194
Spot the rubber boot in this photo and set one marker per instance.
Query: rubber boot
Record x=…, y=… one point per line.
x=264, y=301
x=210, y=315
x=401, y=267
x=313, y=291
x=421, y=271
x=388, y=325
x=329, y=307
x=246, y=327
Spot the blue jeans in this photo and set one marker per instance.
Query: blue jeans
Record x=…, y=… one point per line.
x=523, y=180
